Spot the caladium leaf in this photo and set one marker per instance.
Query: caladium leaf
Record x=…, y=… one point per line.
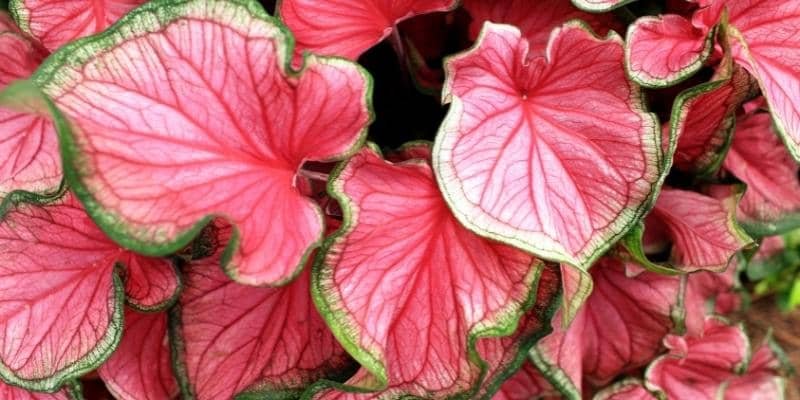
x=628, y=389
x=703, y=230
x=528, y=383
x=702, y=291
x=696, y=368
x=758, y=158
x=60, y=297
x=28, y=141
x=348, y=28
x=409, y=291
x=234, y=338
x=520, y=153
x=151, y=284
x=703, y=119
x=588, y=354
x=663, y=50
x=762, y=380
x=8, y=392
x=233, y=152
x=56, y=22
x=767, y=44
x=535, y=19
x=140, y=368
x=577, y=286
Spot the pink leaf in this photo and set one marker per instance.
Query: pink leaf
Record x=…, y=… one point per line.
x=768, y=46
x=151, y=284
x=703, y=290
x=56, y=22
x=30, y=161
x=535, y=19
x=664, y=50
x=238, y=338
x=696, y=368
x=528, y=383
x=759, y=159
x=348, y=28
x=60, y=298
x=703, y=229
x=762, y=380
x=703, y=119
x=409, y=291
x=526, y=141
x=140, y=368
x=8, y=392
x=236, y=121
x=577, y=286
x=619, y=328
x=628, y=389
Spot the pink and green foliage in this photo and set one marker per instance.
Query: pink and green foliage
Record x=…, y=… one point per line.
x=438, y=291
x=62, y=294
x=517, y=106
x=28, y=144
x=719, y=364
x=140, y=368
x=348, y=28
x=213, y=121
x=228, y=338
x=54, y=23
x=190, y=206
x=586, y=354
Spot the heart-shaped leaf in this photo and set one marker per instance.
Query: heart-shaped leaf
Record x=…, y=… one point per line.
x=60, y=297
x=233, y=338
x=763, y=376
x=28, y=143
x=555, y=154
x=57, y=22
x=236, y=121
x=140, y=368
x=589, y=354
x=348, y=28
x=416, y=298
x=663, y=50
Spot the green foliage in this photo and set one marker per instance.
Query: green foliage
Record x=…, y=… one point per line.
x=779, y=274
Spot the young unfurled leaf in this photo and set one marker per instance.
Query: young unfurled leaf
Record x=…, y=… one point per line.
x=57, y=22
x=664, y=50
x=535, y=19
x=619, y=328
x=409, y=291
x=348, y=28
x=234, y=338
x=140, y=368
x=187, y=111
x=757, y=157
x=29, y=159
x=696, y=368
x=553, y=155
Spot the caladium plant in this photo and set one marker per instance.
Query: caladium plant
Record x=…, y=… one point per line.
x=194, y=202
